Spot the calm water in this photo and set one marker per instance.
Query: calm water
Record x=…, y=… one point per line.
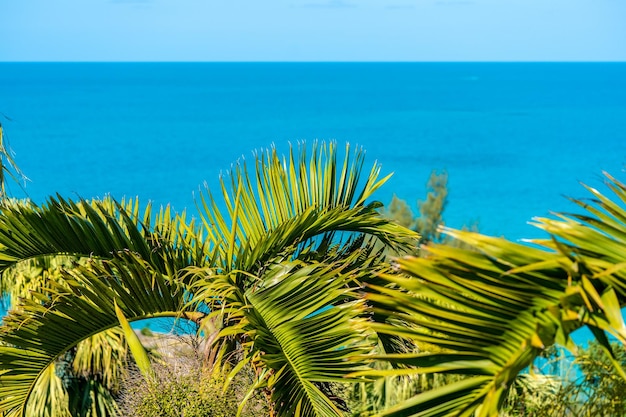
x=514, y=138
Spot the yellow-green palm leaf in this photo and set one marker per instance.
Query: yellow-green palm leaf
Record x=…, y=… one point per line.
x=488, y=312
x=300, y=210
x=66, y=313
x=306, y=328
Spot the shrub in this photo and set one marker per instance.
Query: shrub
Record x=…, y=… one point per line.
x=184, y=388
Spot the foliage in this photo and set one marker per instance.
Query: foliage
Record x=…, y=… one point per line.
x=85, y=381
x=431, y=213
x=193, y=395
x=372, y=398
x=431, y=210
x=494, y=309
x=299, y=231
x=183, y=387
x=537, y=395
x=599, y=389
x=287, y=278
x=399, y=211
x=41, y=279
x=288, y=297
x=589, y=385
x=8, y=167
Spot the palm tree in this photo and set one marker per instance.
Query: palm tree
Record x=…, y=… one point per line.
x=277, y=268
x=8, y=167
x=487, y=312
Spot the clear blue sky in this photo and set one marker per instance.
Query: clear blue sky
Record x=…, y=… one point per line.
x=313, y=30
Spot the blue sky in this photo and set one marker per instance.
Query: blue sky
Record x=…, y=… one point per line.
x=313, y=30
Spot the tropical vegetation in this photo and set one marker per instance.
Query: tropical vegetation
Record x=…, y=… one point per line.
x=582, y=385
x=429, y=221
x=431, y=210
x=276, y=275
x=288, y=277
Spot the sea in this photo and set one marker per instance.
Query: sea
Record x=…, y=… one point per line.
x=516, y=139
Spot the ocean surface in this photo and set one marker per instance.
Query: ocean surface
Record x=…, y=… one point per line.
x=515, y=138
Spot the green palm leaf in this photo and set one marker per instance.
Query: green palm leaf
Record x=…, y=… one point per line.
x=290, y=201
x=486, y=322
x=305, y=211
x=306, y=327
x=294, y=213
x=50, y=397
x=38, y=243
x=296, y=207
x=37, y=334
x=101, y=357
x=492, y=310
x=63, y=229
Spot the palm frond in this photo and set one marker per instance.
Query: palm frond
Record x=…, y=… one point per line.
x=97, y=229
x=288, y=202
x=50, y=397
x=482, y=320
x=306, y=328
x=64, y=240
x=492, y=310
x=291, y=215
x=79, y=307
x=90, y=398
x=298, y=213
x=101, y=357
x=8, y=167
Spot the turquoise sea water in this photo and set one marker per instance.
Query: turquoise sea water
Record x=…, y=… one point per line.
x=514, y=137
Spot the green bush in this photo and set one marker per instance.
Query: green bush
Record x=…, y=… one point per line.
x=184, y=389
x=185, y=395
x=590, y=387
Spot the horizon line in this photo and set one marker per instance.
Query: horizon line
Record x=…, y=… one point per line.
x=314, y=62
